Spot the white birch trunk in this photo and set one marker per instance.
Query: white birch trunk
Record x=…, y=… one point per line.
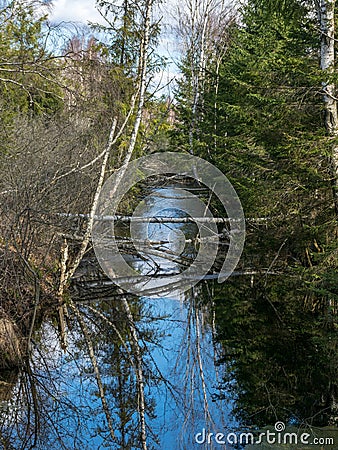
x=198, y=33
x=327, y=63
x=141, y=90
x=143, y=66
x=67, y=273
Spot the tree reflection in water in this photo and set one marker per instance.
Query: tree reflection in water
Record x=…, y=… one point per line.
x=280, y=352
x=150, y=373
x=55, y=400
x=275, y=352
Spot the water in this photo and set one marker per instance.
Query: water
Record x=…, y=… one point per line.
x=61, y=407
x=276, y=359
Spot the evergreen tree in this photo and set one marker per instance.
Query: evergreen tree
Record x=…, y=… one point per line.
x=27, y=70
x=262, y=122
x=263, y=126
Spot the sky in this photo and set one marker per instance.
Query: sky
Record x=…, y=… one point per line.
x=82, y=11
x=75, y=11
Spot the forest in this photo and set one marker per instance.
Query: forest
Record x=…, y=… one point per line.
x=149, y=350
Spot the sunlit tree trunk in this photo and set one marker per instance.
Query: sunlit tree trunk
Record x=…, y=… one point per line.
x=140, y=95
x=197, y=77
x=202, y=26
x=327, y=62
x=143, y=66
x=193, y=28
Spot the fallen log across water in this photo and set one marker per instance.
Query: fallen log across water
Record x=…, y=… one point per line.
x=157, y=219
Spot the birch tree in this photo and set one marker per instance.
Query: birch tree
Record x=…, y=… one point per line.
x=201, y=27
x=326, y=13
x=327, y=63
x=68, y=268
x=138, y=100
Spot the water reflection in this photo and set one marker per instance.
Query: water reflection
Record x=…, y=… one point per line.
x=56, y=402
x=220, y=358
x=165, y=253
x=280, y=349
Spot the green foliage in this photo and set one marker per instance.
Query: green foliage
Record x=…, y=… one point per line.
x=279, y=350
x=123, y=34
x=271, y=119
x=260, y=120
x=27, y=81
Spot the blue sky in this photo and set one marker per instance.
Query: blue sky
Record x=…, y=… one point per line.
x=82, y=11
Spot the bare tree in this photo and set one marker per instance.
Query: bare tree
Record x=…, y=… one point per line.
x=201, y=26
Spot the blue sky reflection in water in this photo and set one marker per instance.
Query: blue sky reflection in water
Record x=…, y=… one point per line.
x=182, y=360
x=179, y=408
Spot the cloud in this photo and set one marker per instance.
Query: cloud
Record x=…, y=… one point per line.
x=75, y=11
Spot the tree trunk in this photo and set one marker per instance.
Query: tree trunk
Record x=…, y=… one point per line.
x=199, y=22
x=143, y=66
x=327, y=63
